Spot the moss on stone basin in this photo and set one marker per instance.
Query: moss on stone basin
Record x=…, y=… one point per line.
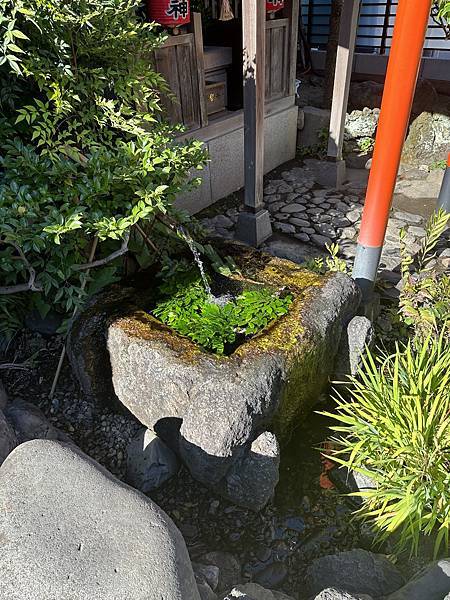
x=216, y=411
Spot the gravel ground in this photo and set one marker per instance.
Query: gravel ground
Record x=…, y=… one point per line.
x=273, y=547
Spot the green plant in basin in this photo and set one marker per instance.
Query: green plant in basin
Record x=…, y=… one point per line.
x=188, y=309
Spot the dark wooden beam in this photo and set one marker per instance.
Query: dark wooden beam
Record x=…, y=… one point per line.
x=254, y=224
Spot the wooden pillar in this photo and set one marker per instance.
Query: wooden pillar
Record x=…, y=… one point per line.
x=342, y=77
x=292, y=12
x=254, y=224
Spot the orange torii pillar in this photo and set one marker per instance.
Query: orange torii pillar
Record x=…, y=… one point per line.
x=404, y=61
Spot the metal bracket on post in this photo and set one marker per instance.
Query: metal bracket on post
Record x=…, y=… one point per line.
x=254, y=225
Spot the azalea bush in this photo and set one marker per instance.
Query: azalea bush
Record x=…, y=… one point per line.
x=395, y=428
x=87, y=161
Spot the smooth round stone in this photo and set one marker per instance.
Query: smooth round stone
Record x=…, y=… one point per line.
x=325, y=205
x=315, y=211
x=348, y=233
x=293, y=208
x=321, y=240
x=353, y=215
x=304, y=237
x=325, y=230
x=299, y=222
x=282, y=216
x=326, y=219
x=408, y=217
x=285, y=227
x=308, y=230
x=342, y=206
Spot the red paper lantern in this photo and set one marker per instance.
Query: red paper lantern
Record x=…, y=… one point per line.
x=273, y=6
x=170, y=13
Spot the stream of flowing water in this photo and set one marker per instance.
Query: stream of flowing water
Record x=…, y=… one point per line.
x=219, y=300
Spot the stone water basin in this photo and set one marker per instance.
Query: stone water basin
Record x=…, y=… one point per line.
x=224, y=415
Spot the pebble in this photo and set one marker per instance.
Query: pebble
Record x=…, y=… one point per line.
x=321, y=240
x=348, y=233
x=285, y=227
x=303, y=237
x=353, y=215
x=408, y=217
x=417, y=231
x=293, y=208
x=299, y=222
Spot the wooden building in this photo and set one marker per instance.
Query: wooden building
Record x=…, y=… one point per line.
x=204, y=67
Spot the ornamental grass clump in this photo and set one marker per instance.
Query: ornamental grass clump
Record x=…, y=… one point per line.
x=395, y=428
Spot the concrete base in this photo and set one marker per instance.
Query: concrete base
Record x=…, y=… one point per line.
x=331, y=173
x=253, y=228
x=224, y=141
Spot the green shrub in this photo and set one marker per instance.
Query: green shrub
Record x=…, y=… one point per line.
x=424, y=304
x=85, y=154
x=395, y=428
x=189, y=310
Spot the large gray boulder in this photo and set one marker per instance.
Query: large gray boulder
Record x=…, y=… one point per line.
x=72, y=530
x=212, y=409
x=428, y=139
x=432, y=583
x=8, y=440
x=355, y=571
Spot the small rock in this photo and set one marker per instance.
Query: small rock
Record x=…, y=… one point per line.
x=210, y=573
x=353, y=215
x=272, y=576
x=359, y=336
x=285, y=227
x=251, y=481
x=30, y=423
x=348, y=482
x=432, y=583
x=205, y=591
x=417, y=231
x=253, y=591
x=321, y=240
x=270, y=189
x=408, y=217
x=293, y=208
x=315, y=211
x=325, y=230
x=303, y=237
x=229, y=569
x=299, y=222
x=150, y=463
x=348, y=233
x=335, y=594
x=285, y=188
x=8, y=440
x=356, y=571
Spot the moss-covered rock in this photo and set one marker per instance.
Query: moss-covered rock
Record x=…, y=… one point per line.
x=212, y=408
